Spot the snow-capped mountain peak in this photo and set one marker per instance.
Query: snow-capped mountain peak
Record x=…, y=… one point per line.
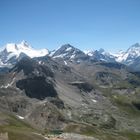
x=68, y=52
x=64, y=51
x=89, y=52
x=100, y=55
x=134, y=50
x=25, y=44
x=14, y=51
x=128, y=56
x=119, y=56
x=23, y=47
x=11, y=47
x=92, y=52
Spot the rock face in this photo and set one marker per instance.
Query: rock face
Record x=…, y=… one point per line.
x=39, y=80
x=83, y=86
x=37, y=87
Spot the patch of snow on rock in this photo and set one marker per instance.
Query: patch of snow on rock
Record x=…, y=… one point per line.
x=20, y=117
x=65, y=63
x=95, y=101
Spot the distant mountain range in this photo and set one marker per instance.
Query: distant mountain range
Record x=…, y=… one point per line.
x=12, y=53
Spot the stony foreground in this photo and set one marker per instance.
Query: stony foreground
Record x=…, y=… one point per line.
x=69, y=136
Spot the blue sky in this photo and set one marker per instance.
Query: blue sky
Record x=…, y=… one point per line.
x=86, y=24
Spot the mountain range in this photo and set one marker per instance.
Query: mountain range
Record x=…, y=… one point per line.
x=11, y=53
x=69, y=94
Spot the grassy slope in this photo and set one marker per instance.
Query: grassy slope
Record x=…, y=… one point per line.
x=17, y=129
